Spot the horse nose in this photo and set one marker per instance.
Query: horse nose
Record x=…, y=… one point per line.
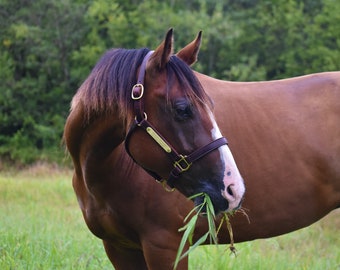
x=233, y=196
x=229, y=193
x=229, y=190
x=233, y=189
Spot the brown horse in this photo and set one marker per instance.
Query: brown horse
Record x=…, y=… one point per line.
x=285, y=137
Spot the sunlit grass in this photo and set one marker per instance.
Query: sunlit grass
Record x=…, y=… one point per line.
x=41, y=227
x=315, y=247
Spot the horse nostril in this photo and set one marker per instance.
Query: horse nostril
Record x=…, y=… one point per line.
x=230, y=191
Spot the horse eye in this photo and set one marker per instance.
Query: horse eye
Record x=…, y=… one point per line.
x=182, y=111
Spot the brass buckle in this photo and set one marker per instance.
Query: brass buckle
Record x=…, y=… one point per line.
x=182, y=164
x=134, y=95
x=164, y=184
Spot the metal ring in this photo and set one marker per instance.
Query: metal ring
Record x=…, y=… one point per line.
x=163, y=182
x=145, y=118
x=140, y=93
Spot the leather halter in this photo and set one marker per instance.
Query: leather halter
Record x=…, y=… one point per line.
x=181, y=162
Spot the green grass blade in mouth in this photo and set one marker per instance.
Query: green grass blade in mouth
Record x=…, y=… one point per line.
x=187, y=236
x=225, y=219
x=189, y=227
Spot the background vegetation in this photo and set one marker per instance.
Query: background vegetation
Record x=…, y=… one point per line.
x=47, y=48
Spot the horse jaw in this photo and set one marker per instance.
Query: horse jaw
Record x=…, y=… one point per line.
x=234, y=188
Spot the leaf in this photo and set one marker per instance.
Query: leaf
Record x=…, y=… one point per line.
x=189, y=228
x=187, y=236
x=198, y=243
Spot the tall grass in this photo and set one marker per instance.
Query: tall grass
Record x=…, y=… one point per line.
x=314, y=248
x=41, y=227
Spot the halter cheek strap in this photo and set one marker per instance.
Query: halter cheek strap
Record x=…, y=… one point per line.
x=137, y=91
x=181, y=163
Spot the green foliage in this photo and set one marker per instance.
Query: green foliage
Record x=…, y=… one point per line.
x=48, y=48
x=37, y=42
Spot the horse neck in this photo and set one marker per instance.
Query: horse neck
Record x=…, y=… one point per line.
x=94, y=140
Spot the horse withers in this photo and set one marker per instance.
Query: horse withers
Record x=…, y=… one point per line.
x=284, y=135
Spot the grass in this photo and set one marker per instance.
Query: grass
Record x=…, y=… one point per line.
x=188, y=229
x=316, y=247
x=41, y=227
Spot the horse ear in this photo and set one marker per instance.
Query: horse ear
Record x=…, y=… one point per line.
x=189, y=53
x=161, y=55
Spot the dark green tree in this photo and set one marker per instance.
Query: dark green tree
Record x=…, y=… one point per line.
x=37, y=40
x=47, y=48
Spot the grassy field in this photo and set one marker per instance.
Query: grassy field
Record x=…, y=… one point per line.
x=41, y=227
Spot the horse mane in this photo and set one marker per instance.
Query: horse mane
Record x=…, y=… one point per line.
x=108, y=87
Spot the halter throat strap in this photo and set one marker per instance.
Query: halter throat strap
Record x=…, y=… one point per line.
x=181, y=163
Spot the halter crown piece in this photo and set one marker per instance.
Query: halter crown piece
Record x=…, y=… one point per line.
x=181, y=162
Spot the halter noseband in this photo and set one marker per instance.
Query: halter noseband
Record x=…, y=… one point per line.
x=181, y=162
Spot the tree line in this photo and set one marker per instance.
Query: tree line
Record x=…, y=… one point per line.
x=49, y=47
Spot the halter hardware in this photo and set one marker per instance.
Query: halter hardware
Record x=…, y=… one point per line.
x=164, y=184
x=145, y=117
x=158, y=139
x=181, y=163
x=135, y=93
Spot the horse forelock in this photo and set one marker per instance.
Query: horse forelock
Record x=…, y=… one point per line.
x=190, y=85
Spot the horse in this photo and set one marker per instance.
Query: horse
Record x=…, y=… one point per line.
x=147, y=108
x=283, y=135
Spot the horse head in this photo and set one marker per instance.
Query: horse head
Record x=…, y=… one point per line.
x=174, y=135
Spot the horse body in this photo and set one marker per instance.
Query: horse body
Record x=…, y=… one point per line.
x=284, y=135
